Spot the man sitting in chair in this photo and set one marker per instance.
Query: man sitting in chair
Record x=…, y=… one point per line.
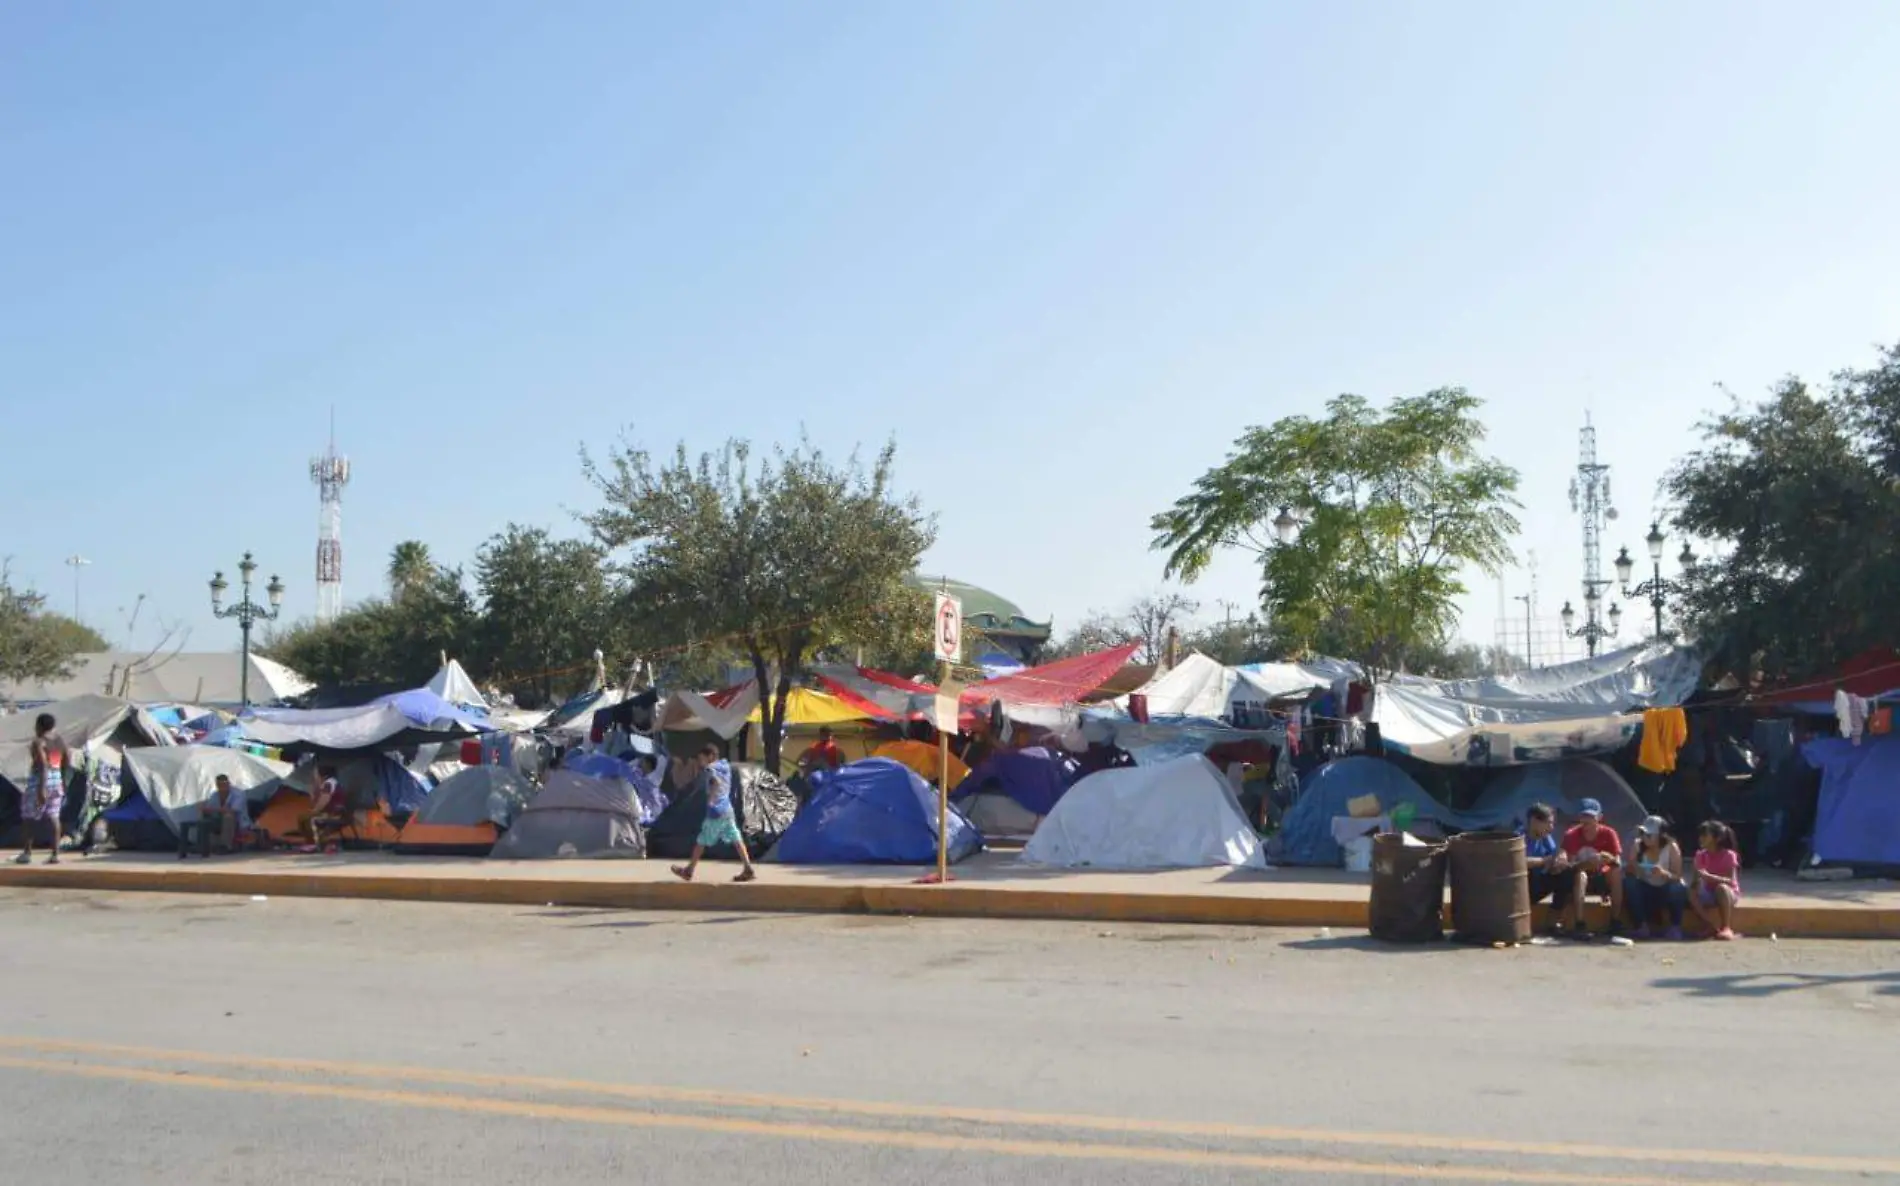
x=220, y=818
x=329, y=810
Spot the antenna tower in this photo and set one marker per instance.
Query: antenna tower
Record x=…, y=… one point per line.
x=1590, y=497
x=330, y=473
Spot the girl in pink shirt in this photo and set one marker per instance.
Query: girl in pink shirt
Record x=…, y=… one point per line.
x=1718, y=884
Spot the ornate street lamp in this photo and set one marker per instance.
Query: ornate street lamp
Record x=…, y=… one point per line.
x=1655, y=590
x=1593, y=631
x=247, y=613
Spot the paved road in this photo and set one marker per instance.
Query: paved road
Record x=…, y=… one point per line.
x=193, y=1040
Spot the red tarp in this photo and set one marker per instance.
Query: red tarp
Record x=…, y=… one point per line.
x=869, y=708
x=1066, y=681
x=895, y=681
x=1873, y=673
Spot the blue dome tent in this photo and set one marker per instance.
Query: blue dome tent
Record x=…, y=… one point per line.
x=872, y=812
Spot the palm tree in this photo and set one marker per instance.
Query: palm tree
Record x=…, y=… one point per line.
x=410, y=568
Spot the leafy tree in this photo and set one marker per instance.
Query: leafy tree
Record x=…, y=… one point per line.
x=547, y=605
x=411, y=568
x=1389, y=507
x=1234, y=641
x=1801, y=494
x=1147, y=620
x=384, y=642
x=780, y=559
x=36, y=645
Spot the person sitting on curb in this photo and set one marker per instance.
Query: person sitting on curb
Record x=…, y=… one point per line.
x=220, y=819
x=1718, y=879
x=1655, y=884
x=1543, y=854
x=1593, y=860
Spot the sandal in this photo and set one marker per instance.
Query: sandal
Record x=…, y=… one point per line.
x=25, y=858
x=748, y=875
x=682, y=872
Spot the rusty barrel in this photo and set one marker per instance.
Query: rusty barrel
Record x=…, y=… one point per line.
x=1490, y=888
x=1408, y=890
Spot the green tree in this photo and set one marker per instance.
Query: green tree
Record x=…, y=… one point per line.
x=36, y=645
x=411, y=569
x=547, y=605
x=384, y=642
x=781, y=559
x=1384, y=511
x=1146, y=620
x=1801, y=495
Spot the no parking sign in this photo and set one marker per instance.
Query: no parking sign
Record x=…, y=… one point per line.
x=947, y=629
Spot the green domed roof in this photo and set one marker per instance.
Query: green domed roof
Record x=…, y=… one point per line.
x=982, y=608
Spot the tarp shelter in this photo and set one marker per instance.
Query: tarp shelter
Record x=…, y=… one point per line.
x=763, y=808
x=1176, y=815
x=1562, y=786
x=1200, y=687
x=176, y=780
x=1872, y=675
x=893, y=693
x=1647, y=675
x=402, y=719
x=873, y=812
x=468, y=812
x=97, y=730
x=1857, y=818
x=1306, y=831
x=923, y=757
x=722, y=713
x=210, y=678
x=453, y=685
x=376, y=787
x=1062, y=684
x=806, y=706
x=575, y=816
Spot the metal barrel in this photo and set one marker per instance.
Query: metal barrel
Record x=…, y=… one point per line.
x=1490, y=888
x=1408, y=890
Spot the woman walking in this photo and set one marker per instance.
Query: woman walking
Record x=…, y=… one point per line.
x=45, y=789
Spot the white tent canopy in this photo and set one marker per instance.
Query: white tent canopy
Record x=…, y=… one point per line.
x=1174, y=815
x=100, y=725
x=1200, y=687
x=185, y=677
x=453, y=685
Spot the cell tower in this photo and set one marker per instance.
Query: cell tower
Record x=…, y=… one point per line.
x=1590, y=497
x=330, y=473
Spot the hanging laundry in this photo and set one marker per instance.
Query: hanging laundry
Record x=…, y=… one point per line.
x=1665, y=730
x=1851, y=711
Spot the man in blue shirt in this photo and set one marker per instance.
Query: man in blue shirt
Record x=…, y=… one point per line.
x=1543, y=853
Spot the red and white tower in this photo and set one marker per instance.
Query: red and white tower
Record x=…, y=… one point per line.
x=330, y=473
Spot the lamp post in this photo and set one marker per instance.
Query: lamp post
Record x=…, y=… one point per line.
x=1655, y=589
x=1593, y=631
x=247, y=613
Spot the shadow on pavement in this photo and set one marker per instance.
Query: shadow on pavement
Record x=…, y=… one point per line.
x=1769, y=984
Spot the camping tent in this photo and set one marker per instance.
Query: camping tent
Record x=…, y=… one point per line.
x=575, y=816
x=872, y=812
x=467, y=813
x=1011, y=790
x=98, y=730
x=763, y=807
x=453, y=685
x=1857, y=818
x=646, y=791
x=175, y=780
x=1562, y=786
x=1175, y=815
x=1306, y=832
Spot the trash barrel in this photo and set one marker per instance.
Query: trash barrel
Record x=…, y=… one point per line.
x=1490, y=888
x=1408, y=890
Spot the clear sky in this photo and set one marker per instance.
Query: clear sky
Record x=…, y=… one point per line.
x=1063, y=252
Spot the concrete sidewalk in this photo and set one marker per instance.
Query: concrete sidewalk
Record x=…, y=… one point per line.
x=991, y=885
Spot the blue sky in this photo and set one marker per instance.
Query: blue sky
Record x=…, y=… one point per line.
x=1063, y=252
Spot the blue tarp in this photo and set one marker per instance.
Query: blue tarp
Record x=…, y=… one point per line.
x=1857, y=820
x=400, y=790
x=872, y=812
x=1034, y=777
x=132, y=808
x=1306, y=834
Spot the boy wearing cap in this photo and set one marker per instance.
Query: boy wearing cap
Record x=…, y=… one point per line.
x=1593, y=857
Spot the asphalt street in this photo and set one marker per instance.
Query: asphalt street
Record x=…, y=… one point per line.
x=196, y=1039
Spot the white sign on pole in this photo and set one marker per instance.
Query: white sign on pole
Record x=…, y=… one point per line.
x=945, y=708
x=947, y=629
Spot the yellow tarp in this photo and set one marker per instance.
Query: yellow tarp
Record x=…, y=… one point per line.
x=808, y=707
x=921, y=756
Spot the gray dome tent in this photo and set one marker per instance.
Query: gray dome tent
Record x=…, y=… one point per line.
x=576, y=816
x=1563, y=785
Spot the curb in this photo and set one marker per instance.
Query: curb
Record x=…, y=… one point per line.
x=952, y=901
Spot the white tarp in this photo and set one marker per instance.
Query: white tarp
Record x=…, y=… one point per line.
x=177, y=780
x=1570, y=710
x=185, y=677
x=1176, y=815
x=453, y=685
x=328, y=728
x=1200, y=687
x=690, y=712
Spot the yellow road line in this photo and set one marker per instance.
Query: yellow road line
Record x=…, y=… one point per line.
x=934, y=1142
x=1411, y=1142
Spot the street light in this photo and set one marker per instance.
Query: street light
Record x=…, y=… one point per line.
x=1593, y=631
x=247, y=613
x=1656, y=590
x=1285, y=525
